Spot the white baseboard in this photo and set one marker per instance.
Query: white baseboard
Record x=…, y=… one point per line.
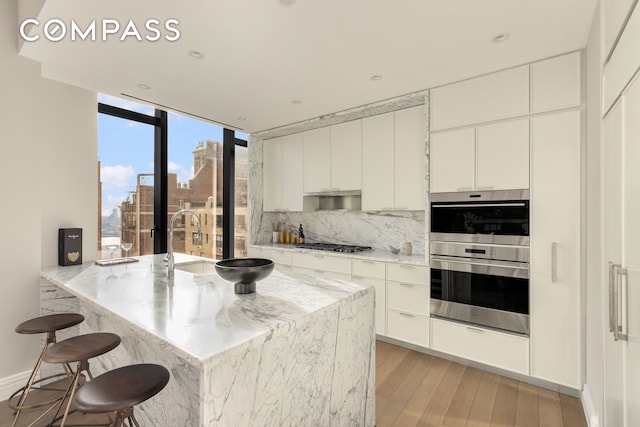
x=9, y=385
x=589, y=410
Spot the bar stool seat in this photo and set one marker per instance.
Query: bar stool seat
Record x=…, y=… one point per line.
x=48, y=324
x=79, y=349
x=120, y=390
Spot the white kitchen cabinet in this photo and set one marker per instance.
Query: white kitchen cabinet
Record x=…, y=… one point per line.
x=502, y=350
x=556, y=83
x=292, y=171
x=372, y=273
x=346, y=154
x=408, y=298
x=282, y=173
x=555, y=249
x=408, y=327
x=614, y=14
x=624, y=61
x=393, y=160
x=500, y=95
x=317, y=160
x=408, y=273
x=452, y=161
x=322, y=263
x=502, y=156
x=281, y=258
x=621, y=234
x=490, y=157
x=409, y=159
x=377, y=162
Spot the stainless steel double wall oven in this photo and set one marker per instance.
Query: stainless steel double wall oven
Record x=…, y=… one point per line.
x=479, y=258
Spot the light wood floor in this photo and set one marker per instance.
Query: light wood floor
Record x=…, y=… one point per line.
x=415, y=389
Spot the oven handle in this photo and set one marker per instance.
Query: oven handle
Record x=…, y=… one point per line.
x=489, y=267
x=479, y=205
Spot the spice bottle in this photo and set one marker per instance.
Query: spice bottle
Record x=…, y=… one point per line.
x=300, y=235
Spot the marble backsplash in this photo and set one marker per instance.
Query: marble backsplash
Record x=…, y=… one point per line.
x=378, y=229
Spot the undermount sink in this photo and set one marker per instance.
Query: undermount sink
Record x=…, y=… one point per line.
x=197, y=267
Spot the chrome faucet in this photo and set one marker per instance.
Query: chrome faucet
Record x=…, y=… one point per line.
x=173, y=219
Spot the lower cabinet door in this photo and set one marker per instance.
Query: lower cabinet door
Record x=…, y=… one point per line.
x=381, y=298
x=502, y=350
x=408, y=327
x=324, y=274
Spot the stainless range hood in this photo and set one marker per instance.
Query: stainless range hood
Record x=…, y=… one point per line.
x=333, y=200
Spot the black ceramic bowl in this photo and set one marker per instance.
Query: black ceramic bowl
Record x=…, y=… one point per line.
x=244, y=272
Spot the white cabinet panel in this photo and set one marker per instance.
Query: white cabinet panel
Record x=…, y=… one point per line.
x=346, y=152
x=317, y=160
x=495, y=96
x=407, y=273
x=493, y=348
x=624, y=62
x=452, y=161
x=292, y=173
x=377, y=162
x=366, y=268
x=409, y=159
x=272, y=174
x=322, y=262
x=380, y=309
x=408, y=298
x=408, y=327
x=555, y=249
x=323, y=274
x=614, y=14
x=555, y=83
x=502, y=156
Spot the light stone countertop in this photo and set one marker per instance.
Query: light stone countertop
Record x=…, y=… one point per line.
x=200, y=314
x=372, y=255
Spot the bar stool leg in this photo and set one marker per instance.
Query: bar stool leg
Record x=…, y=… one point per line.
x=83, y=366
x=128, y=414
x=20, y=406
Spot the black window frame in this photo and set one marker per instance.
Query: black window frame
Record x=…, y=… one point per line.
x=161, y=199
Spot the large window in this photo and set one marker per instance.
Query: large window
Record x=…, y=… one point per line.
x=154, y=163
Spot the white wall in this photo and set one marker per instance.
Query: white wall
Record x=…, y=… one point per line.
x=42, y=124
x=594, y=305
x=69, y=167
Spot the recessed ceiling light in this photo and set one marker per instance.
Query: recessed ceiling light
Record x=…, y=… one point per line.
x=296, y=102
x=144, y=86
x=196, y=54
x=376, y=77
x=287, y=3
x=240, y=119
x=501, y=38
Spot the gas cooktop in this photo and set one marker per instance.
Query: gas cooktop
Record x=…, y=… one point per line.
x=334, y=247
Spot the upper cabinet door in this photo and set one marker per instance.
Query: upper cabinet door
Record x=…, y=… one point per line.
x=377, y=162
x=495, y=96
x=452, y=161
x=346, y=149
x=502, y=156
x=272, y=174
x=409, y=159
x=317, y=160
x=556, y=83
x=292, y=171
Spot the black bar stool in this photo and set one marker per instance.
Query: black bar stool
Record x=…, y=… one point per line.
x=120, y=390
x=78, y=349
x=48, y=324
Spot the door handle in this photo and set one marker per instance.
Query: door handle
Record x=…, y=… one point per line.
x=554, y=261
x=612, y=272
x=619, y=297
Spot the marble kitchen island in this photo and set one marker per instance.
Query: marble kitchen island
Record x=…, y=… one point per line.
x=298, y=352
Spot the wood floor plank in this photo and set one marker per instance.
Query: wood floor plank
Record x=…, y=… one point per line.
x=390, y=364
x=397, y=375
x=549, y=413
x=504, y=409
x=383, y=352
x=435, y=411
x=399, y=399
x=572, y=412
x=458, y=411
x=527, y=405
x=416, y=406
x=484, y=401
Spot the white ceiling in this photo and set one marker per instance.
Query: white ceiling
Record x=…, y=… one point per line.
x=260, y=55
